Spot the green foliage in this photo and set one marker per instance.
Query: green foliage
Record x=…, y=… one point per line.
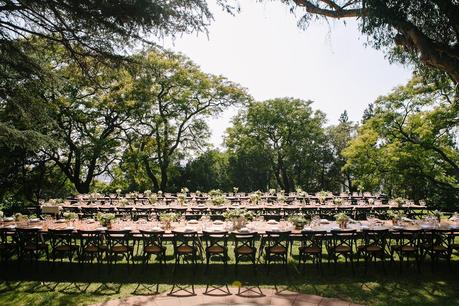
x=409, y=146
x=280, y=143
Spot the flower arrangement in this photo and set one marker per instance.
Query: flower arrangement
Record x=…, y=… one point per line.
x=124, y=201
x=337, y=201
x=254, y=198
x=54, y=202
x=322, y=196
x=198, y=193
x=218, y=200
x=399, y=201
x=281, y=197
x=239, y=217
x=395, y=216
x=184, y=190
x=272, y=191
x=342, y=219
x=437, y=214
x=153, y=198
x=18, y=217
x=235, y=190
x=147, y=193
x=181, y=198
x=215, y=193
x=1, y=215
x=160, y=193
x=167, y=218
x=118, y=192
x=298, y=221
x=105, y=219
x=70, y=216
x=371, y=201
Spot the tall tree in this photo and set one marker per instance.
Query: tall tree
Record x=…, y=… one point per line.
x=410, y=146
x=425, y=31
x=291, y=137
x=176, y=97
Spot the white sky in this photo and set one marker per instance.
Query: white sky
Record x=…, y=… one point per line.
x=263, y=50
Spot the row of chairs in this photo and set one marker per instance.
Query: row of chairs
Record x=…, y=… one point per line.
x=192, y=247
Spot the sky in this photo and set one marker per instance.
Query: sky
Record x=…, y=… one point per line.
x=262, y=49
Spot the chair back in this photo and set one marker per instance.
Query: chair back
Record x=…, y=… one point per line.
x=61, y=237
x=278, y=239
x=118, y=238
x=152, y=238
x=185, y=239
x=90, y=238
x=310, y=238
x=375, y=237
x=345, y=238
x=215, y=239
x=28, y=237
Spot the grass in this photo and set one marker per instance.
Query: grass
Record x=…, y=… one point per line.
x=64, y=283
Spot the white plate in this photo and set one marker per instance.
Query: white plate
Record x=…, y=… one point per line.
x=8, y=219
x=218, y=222
x=397, y=227
x=244, y=230
x=127, y=228
x=272, y=222
x=189, y=229
x=193, y=222
x=61, y=221
x=156, y=229
x=101, y=229
x=34, y=220
x=324, y=221
x=307, y=228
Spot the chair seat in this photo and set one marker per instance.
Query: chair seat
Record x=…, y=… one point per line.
x=121, y=249
x=342, y=249
x=63, y=248
x=440, y=248
x=278, y=249
x=153, y=249
x=215, y=249
x=373, y=248
x=310, y=250
x=94, y=248
x=244, y=249
x=35, y=247
x=185, y=249
x=408, y=248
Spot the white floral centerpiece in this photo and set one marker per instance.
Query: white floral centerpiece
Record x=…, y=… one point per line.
x=235, y=190
x=337, y=201
x=272, y=191
x=254, y=198
x=181, y=198
x=147, y=193
x=118, y=192
x=281, y=197
x=239, y=217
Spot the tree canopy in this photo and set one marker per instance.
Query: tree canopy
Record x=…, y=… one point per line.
x=424, y=32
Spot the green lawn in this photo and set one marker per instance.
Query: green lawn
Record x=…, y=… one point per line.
x=64, y=283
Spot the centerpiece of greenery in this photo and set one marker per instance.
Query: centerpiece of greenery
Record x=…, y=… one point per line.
x=437, y=214
x=181, y=198
x=118, y=192
x=342, y=219
x=105, y=219
x=239, y=217
x=184, y=190
x=322, y=196
x=337, y=201
x=18, y=217
x=298, y=221
x=399, y=201
x=1, y=215
x=70, y=216
x=218, y=200
x=167, y=218
x=272, y=191
x=254, y=198
x=371, y=201
x=395, y=216
x=147, y=193
x=153, y=198
x=235, y=190
x=123, y=202
x=281, y=197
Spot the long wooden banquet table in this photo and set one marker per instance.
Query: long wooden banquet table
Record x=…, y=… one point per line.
x=282, y=209
x=257, y=226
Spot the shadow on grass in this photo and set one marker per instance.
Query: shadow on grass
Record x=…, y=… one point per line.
x=77, y=284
